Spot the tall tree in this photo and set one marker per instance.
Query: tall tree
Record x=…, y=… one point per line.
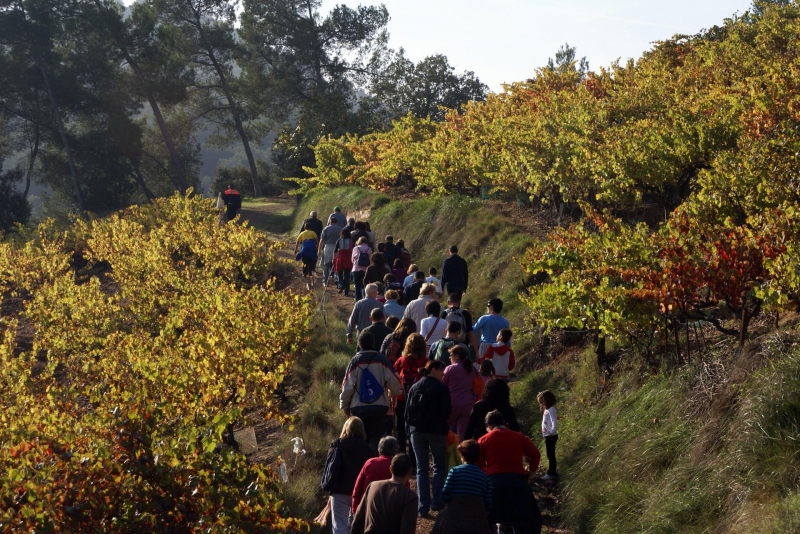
x=425, y=88
x=304, y=66
x=209, y=28
x=158, y=75
x=31, y=32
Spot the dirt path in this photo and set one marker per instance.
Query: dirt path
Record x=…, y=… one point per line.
x=274, y=217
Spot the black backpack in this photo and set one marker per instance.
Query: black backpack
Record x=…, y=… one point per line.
x=363, y=259
x=417, y=413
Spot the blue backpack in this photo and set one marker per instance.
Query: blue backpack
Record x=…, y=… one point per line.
x=308, y=249
x=369, y=389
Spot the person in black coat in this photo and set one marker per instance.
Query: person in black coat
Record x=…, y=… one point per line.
x=353, y=452
x=455, y=273
x=496, y=396
x=412, y=291
x=314, y=224
x=233, y=202
x=428, y=408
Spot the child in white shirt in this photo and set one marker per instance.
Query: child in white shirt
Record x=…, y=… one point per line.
x=547, y=401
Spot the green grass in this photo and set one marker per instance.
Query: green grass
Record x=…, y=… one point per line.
x=643, y=453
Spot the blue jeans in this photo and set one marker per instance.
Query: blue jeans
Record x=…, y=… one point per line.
x=420, y=442
x=358, y=277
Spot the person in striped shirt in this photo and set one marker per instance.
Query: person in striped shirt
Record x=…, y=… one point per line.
x=467, y=493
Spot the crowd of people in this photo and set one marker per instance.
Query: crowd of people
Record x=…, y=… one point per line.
x=427, y=387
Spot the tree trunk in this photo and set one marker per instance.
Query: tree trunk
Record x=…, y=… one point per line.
x=34, y=152
x=137, y=175
x=162, y=125
x=64, y=140
x=238, y=122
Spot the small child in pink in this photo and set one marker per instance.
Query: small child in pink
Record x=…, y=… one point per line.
x=501, y=355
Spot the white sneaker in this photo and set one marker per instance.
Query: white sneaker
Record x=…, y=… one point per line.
x=547, y=477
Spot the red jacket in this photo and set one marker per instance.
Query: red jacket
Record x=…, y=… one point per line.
x=406, y=368
x=502, y=451
x=379, y=468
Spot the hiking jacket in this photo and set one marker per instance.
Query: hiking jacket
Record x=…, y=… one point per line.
x=455, y=274
x=407, y=369
x=354, y=453
x=476, y=428
x=383, y=371
x=436, y=402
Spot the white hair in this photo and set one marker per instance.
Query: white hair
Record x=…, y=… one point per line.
x=371, y=289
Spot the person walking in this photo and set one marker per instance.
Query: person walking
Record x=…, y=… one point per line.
x=431, y=279
x=502, y=454
x=378, y=468
x=392, y=307
x=407, y=367
x=346, y=457
x=338, y=217
x=547, y=402
x=360, y=258
x=427, y=411
x=501, y=355
x=327, y=248
x=454, y=312
x=415, y=309
x=368, y=378
x=378, y=328
x=343, y=261
x=388, y=505
x=489, y=325
x=411, y=271
x=467, y=493
x=433, y=327
x=392, y=252
x=496, y=396
x=405, y=255
x=441, y=349
x=308, y=242
x=459, y=378
x=313, y=223
x=412, y=291
x=393, y=344
x=398, y=272
x=455, y=273
x=233, y=202
x=360, y=317
x=377, y=269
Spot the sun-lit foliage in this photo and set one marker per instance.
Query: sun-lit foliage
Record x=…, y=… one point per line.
x=140, y=338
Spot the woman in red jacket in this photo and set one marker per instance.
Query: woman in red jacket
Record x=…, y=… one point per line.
x=342, y=261
x=502, y=453
x=415, y=356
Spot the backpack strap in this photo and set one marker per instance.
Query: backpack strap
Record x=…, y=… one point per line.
x=432, y=329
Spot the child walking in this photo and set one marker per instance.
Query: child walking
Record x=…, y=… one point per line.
x=500, y=354
x=547, y=401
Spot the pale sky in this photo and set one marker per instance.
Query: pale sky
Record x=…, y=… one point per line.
x=506, y=40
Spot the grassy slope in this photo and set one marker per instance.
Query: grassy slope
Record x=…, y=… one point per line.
x=646, y=453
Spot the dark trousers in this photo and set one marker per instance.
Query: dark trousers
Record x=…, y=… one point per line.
x=550, y=445
x=373, y=425
x=513, y=504
x=308, y=266
x=358, y=277
x=344, y=281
